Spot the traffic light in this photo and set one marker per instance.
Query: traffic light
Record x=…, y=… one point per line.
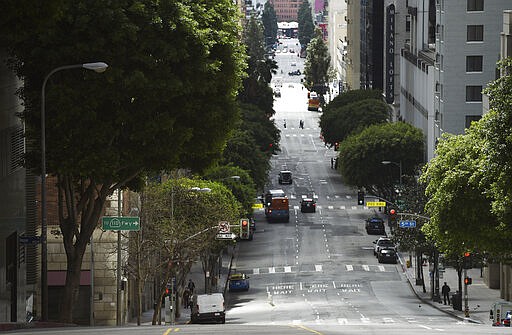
x=467, y=261
x=244, y=229
x=336, y=146
x=360, y=198
x=468, y=281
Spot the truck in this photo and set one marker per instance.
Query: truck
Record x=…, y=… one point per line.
x=313, y=101
x=277, y=207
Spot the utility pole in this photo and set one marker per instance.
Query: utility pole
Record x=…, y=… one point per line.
x=466, y=298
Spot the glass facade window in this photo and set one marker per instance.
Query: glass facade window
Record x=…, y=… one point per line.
x=474, y=63
x=475, y=5
x=475, y=33
x=473, y=93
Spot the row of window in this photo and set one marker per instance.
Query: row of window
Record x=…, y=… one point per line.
x=471, y=5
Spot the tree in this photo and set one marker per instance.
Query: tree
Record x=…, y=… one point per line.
x=361, y=155
x=169, y=62
x=338, y=123
x=306, y=25
x=256, y=85
x=243, y=187
x=269, y=19
x=316, y=67
x=181, y=225
x=351, y=96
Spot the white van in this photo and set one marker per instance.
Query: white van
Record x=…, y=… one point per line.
x=208, y=307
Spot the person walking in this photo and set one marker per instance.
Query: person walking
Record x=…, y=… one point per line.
x=191, y=286
x=332, y=162
x=186, y=297
x=445, y=290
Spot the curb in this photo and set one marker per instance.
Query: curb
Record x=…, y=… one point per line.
x=431, y=303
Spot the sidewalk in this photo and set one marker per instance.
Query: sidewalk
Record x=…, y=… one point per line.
x=197, y=276
x=480, y=297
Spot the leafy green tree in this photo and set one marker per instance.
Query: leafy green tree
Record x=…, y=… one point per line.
x=169, y=63
x=459, y=203
x=306, y=25
x=269, y=19
x=243, y=187
x=338, y=123
x=256, y=89
x=361, y=156
x=318, y=60
x=351, y=96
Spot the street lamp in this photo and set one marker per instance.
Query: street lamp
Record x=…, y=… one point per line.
x=399, y=164
x=97, y=67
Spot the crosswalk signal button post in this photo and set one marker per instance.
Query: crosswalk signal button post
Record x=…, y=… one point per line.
x=244, y=229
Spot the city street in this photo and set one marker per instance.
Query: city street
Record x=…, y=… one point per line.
x=316, y=274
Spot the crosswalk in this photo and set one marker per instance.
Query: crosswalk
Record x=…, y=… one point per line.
x=312, y=268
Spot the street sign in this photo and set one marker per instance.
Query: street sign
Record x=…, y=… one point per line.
x=407, y=224
x=121, y=223
x=29, y=239
x=224, y=227
x=376, y=204
x=225, y=236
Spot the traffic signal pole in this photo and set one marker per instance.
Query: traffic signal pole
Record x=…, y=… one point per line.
x=466, y=302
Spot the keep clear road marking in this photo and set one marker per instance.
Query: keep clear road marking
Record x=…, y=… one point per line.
x=349, y=267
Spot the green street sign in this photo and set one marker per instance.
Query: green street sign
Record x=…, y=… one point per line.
x=121, y=223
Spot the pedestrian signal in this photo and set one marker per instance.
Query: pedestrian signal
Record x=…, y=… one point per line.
x=360, y=198
x=468, y=281
x=244, y=229
x=467, y=261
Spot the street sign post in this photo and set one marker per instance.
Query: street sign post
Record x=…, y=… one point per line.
x=225, y=236
x=23, y=239
x=131, y=223
x=407, y=224
x=376, y=204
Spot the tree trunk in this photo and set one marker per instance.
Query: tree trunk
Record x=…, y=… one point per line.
x=72, y=287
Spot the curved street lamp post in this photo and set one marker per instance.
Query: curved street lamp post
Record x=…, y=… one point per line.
x=97, y=67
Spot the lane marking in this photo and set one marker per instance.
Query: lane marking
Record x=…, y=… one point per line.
x=349, y=267
x=318, y=267
x=366, y=268
x=381, y=268
x=287, y=269
x=256, y=271
x=272, y=270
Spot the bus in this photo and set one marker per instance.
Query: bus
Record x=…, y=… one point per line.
x=313, y=101
x=277, y=208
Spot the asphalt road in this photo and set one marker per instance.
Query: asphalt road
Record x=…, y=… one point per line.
x=317, y=273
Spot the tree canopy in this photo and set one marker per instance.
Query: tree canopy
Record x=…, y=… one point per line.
x=338, y=123
x=318, y=61
x=351, y=96
x=306, y=26
x=361, y=156
x=167, y=100
x=269, y=20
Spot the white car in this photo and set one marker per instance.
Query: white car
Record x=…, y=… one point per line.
x=383, y=243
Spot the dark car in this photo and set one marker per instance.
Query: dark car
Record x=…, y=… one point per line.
x=307, y=205
x=294, y=73
x=285, y=177
x=375, y=226
x=387, y=256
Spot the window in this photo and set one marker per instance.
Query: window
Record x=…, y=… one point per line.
x=475, y=5
x=475, y=33
x=474, y=63
x=473, y=93
x=472, y=118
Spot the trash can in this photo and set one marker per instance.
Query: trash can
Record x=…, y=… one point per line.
x=457, y=301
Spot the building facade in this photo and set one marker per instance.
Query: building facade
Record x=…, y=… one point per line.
x=286, y=10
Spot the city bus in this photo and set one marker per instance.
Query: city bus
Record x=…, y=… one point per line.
x=313, y=101
x=277, y=208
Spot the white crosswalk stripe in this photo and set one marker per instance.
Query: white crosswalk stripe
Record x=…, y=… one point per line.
x=309, y=268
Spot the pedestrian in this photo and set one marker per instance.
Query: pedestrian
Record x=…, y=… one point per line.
x=284, y=124
x=332, y=162
x=336, y=163
x=191, y=286
x=445, y=290
x=186, y=297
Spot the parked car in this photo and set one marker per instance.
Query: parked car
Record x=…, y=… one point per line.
x=277, y=92
x=238, y=282
x=307, y=205
x=383, y=243
x=285, y=177
x=375, y=226
x=208, y=307
x=387, y=255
